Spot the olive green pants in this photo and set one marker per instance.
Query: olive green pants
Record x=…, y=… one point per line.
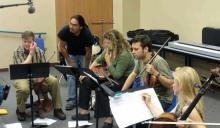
x=22, y=92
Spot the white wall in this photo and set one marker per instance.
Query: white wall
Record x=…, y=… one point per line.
x=126, y=15
x=185, y=17
x=18, y=19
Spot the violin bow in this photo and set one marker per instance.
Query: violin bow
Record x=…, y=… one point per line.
x=183, y=122
x=151, y=60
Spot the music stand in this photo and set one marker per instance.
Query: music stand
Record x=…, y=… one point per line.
x=90, y=74
x=71, y=71
x=29, y=71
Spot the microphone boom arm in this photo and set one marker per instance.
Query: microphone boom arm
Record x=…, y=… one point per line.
x=19, y=4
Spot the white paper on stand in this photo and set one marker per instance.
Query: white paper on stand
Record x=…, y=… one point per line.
x=45, y=121
x=130, y=108
x=72, y=124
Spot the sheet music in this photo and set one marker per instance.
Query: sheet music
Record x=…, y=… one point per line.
x=14, y=125
x=45, y=121
x=129, y=108
x=72, y=124
x=91, y=77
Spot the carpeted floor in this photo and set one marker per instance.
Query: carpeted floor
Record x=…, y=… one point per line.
x=212, y=105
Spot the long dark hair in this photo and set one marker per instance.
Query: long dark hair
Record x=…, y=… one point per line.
x=80, y=20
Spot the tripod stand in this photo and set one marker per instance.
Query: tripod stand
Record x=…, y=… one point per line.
x=29, y=71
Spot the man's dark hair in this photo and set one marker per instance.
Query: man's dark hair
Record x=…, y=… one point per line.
x=80, y=20
x=27, y=34
x=144, y=40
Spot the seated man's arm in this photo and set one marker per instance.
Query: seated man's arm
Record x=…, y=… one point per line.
x=129, y=81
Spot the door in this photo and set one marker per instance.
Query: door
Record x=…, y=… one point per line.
x=97, y=13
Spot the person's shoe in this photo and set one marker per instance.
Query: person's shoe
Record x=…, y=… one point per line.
x=81, y=117
x=70, y=107
x=21, y=115
x=59, y=114
x=107, y=125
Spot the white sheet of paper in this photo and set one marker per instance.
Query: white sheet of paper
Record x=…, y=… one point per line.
x=45, y=121
x=14, y=125
x=72, y=124
x=129, y=108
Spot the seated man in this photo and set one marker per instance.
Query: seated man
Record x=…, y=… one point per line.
x=29, y=53
x=143, y=52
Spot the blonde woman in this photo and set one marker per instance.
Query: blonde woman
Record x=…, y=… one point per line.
x=184, y=80
x=119, y=62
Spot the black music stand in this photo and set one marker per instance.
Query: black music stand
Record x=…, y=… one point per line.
x=29, y=71
x=90, y=74
x=71, y=71
x=101, y=85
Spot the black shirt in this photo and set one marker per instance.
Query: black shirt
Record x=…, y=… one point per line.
x=76, y=44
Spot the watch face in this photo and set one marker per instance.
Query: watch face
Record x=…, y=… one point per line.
x=158, y=75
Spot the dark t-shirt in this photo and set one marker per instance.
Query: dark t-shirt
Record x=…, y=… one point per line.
x=76, y=44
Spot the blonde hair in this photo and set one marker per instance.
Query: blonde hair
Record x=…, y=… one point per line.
x=187, y=77
x=118, y=42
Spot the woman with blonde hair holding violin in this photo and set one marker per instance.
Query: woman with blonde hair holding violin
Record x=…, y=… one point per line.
x=185, y=80
x=119, y=63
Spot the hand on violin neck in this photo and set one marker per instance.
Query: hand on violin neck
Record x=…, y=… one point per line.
x=150, y=69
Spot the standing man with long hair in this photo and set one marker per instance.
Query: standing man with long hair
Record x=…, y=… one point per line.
x=75, y=45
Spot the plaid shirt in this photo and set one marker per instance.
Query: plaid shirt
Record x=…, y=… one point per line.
x=20, y=55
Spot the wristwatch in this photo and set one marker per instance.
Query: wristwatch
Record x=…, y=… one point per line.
x=158, y=75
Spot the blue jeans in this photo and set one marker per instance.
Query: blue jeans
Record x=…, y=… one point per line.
x=79, y=61
x=165, y=105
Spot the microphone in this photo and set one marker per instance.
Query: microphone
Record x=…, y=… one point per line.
x=31, y=9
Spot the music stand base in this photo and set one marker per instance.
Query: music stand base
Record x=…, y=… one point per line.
x=38, y=126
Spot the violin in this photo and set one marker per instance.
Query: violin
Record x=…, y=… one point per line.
x=170, y=117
